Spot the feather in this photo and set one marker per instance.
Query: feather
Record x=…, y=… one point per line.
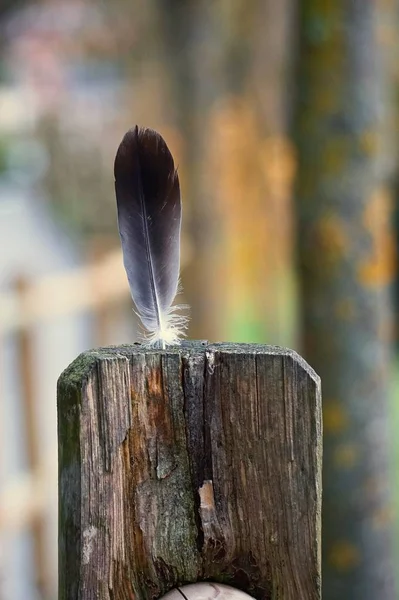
x=149, y=219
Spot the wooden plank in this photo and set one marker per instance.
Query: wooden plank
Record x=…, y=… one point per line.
x=66, y=293
x=69, y=292
x=26, y=355
x=193, y=463
x=25, y=498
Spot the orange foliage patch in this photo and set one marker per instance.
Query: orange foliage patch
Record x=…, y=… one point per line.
x=344, y=556
x=330, y=238
x=346, y=456
x=383, y=517
x=380, y=267
x=252, y=178
x=369, y=141
x=335, y=417
x=345, y=309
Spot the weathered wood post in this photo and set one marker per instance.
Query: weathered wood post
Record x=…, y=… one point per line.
x=195, y=463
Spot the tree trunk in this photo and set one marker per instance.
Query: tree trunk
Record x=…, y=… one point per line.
x=345, y=263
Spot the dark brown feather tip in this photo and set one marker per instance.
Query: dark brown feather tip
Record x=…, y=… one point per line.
x=144, y=152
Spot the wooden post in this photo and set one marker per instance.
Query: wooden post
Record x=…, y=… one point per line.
x=195, y=463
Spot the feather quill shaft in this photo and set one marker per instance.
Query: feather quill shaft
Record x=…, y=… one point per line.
x=149, y=219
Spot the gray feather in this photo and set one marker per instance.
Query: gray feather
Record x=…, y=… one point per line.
x=149, y=219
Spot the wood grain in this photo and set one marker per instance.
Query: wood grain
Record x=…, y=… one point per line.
x=196, y=463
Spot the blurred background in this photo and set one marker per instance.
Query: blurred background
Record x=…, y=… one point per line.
x=283, y=119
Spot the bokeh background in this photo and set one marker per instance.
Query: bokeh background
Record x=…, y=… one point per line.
x=283, y=119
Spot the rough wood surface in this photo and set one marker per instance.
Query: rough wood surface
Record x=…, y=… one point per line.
x=202, y=462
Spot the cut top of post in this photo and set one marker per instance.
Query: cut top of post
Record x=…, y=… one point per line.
x=201, y=462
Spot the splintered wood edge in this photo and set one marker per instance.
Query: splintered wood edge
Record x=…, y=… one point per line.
x=80, y=368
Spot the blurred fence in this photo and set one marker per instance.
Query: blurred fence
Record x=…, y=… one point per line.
x=89, y=287
x=27, y=499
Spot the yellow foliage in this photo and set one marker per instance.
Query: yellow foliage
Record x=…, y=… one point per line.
x=346, y=456
x=383, y=517
x=335, y=417
x=335, y=155
x=345, y=309
x=344, y=556
x=369, y=141
x=331, y=238
x=326, y=99
x=252, y=179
